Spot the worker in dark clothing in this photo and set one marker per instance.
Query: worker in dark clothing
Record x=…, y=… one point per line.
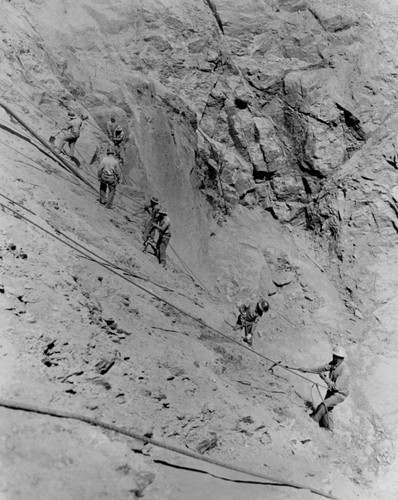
x=119, y=140
x=162, y=224
x=338, y=383
x=69, y=134
x=148, y=234
x=249, y=316
x=110, y=127
x=109, y=175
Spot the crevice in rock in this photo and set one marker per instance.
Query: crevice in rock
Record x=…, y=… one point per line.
x=307, y=187
x=240, y=103
x=216, y=15
x=209, y=97
x=394, y=207
x=309, y=169
x=262, y=176
x=394, y=225
x=352, y=123
x=243, y=195
x=310, y=115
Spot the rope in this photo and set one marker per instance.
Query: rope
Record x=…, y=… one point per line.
x=274, y=363
x=187, y=268
x=153, y=294
x=67, y=165
x=41, y=166
x=194, y=277
x=114, y=266
x=106, y=264
x=132, y=214
x=159, y=298
x=190, y=272
x=45, y=115
x=15, y=203
x=12, y=405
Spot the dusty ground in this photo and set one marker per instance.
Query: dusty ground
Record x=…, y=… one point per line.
x=162, y=372
x=75, y=336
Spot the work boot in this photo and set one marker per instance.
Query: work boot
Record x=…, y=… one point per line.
x=319, y=413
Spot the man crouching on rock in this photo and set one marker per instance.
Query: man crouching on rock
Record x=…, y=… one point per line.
x=338, y=383
x=249, y=317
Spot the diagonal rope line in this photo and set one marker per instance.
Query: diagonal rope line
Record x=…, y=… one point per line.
x=153, y=294
x=13, y=405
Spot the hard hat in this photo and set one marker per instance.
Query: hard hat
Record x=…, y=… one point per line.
x=119, y=128
x=110, y=151
x=162, y=210
x=339, y=352
x=154, y=199
x=72, y=114
x=263, y=305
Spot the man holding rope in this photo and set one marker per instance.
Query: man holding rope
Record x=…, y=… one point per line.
x=338, y=383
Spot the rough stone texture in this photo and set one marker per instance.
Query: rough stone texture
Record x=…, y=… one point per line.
x=284, y=106
x=284, y=89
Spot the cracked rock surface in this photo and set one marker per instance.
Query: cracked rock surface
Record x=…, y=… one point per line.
x=268, y=130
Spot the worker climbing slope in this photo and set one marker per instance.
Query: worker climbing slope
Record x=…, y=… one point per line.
x=110, y=127
x=119, y=141
x=69, y=134
x=148, y=233
x=162, y=224
x=109, y=175
x=249, y=316
x=338, y=383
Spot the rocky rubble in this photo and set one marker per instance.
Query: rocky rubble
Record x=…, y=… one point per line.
x=268, y=131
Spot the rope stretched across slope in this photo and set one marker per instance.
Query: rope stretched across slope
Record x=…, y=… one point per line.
x=113, y=268
x=12, y=405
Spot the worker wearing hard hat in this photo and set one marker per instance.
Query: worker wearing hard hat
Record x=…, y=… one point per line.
x=69, y=134
x=119, y=140
x=162, y=224
x=110, y=127
x=249, y=316
x=148, y=233
x=109, y=174
x=338, y=383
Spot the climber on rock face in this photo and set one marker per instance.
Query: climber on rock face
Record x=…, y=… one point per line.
x=162, y=224
x=69, y=134
x=249, y=316
x=338, y=383
x=109, y=175
x=110, y=127
x=152, y=208
x=119, y=140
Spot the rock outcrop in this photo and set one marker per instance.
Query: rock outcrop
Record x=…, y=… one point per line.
x=286, y=105
x=268, y=130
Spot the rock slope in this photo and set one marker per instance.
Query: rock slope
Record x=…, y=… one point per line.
x=268, y=130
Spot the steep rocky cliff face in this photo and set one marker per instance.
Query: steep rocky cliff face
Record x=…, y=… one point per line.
x=264, y=101
x=268, y=129
x=289, y=106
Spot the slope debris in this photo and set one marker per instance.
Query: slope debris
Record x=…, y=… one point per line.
x=268, y=131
